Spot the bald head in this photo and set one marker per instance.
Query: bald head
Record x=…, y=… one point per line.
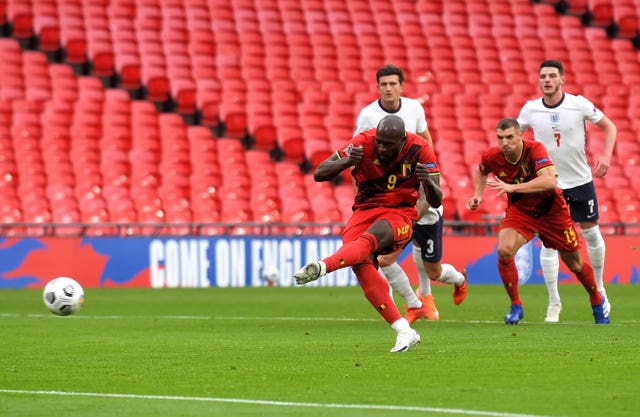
x=391, y=126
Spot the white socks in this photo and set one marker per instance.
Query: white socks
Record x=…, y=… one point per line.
x=450, y=275
x=399, y=281
x=425, y=282
x=550, y=266
x=550, y=263
x=400, y=325
x=596, y=250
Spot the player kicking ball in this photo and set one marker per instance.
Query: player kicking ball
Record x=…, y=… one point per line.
x=388, y=164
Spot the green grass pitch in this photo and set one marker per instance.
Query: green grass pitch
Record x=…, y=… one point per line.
x=315, y=352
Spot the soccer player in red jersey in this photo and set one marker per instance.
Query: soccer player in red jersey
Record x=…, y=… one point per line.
x=524, y=172
x=427, y=231
x=389, y=164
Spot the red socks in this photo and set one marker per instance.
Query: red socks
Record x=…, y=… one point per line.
x=509, y=275
x=352, y=252
x=588, y=281
x=357, y=255
x=376, y=289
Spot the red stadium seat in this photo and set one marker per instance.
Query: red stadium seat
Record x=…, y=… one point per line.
x=627, y=18
x=576, y=7
x=317, y=146
x=184, y=93
x=208, y=98
x=262, y=130
x=156, y=83
x=73, y=36
x=47, y=28
x=609, y=215
x=601, y=12
x=234, y=117
x=20, y=14
x=291, y=142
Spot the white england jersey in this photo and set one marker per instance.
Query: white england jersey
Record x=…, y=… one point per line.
x=415, y=121
x=410, y=111
x=562, y=130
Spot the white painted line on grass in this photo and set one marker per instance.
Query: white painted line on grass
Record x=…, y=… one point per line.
x=454, y=411
x=292, y=318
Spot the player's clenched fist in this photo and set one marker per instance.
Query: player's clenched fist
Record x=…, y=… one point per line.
x=474, y=202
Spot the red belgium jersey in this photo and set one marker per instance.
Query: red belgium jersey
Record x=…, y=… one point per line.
x=394, y=184
x=534, y=157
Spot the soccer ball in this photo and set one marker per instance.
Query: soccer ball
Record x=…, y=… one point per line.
x=63, y=296
x=270, y=275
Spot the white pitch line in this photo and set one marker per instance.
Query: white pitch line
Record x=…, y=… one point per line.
x=454, y=411
x=263, y=318
x=181, y=317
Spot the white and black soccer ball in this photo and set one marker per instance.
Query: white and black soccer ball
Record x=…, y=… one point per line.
x=63, y=296
x=270, y=274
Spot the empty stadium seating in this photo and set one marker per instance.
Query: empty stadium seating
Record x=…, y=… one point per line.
x=279, y=80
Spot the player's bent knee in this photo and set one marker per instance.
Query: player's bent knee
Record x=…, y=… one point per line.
x=505, y=252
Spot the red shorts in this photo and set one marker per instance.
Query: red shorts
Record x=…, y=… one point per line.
x=401, y=220
x=555, y=229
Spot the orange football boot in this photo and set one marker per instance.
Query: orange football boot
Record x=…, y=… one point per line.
x=429, y=304
x=415, y=314
x=459, y=293
x=427, y=311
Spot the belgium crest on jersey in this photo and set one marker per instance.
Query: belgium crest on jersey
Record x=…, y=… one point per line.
x=406, y=169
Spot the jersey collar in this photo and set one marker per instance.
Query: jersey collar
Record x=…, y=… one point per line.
x=390, y=111
x=518, y=158
x=555, y=105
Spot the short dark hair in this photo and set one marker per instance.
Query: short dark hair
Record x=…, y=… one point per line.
x=390, y=69
x=553, y=63
x=507, y=123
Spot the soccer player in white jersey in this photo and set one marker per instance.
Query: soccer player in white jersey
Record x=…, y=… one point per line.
x=427, y=232
x=558, y=120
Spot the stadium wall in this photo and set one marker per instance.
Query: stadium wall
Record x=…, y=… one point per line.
x=235, y=261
